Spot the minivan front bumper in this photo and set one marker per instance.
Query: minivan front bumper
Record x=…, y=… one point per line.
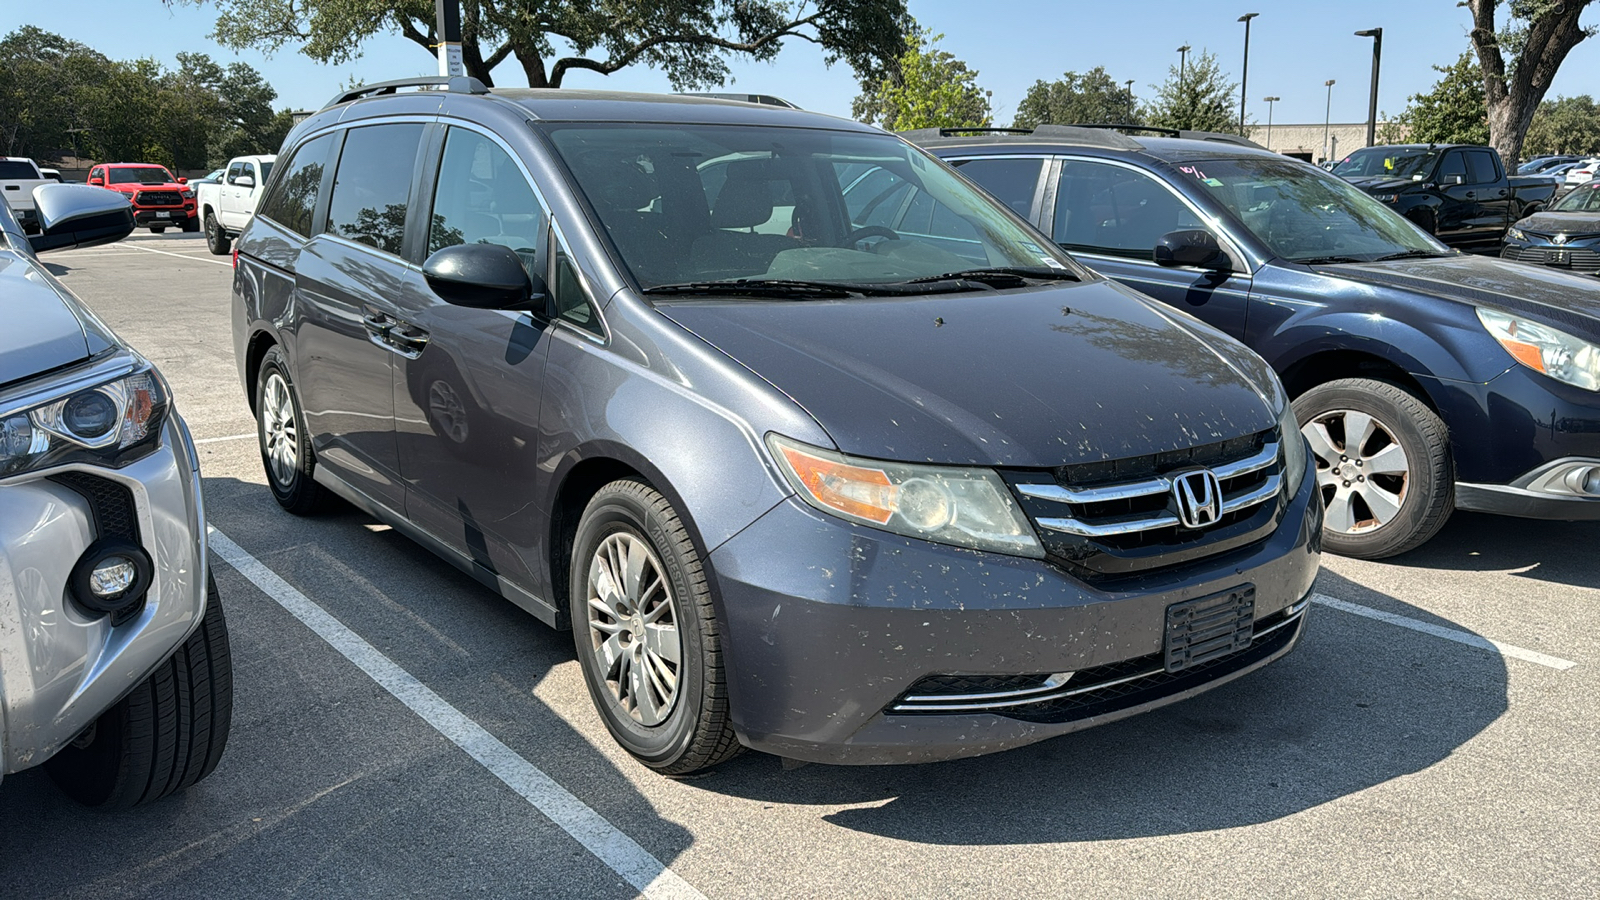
x=829, y=625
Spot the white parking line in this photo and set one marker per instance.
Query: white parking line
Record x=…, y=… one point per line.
x=218, y=440
x=1449, y=634
x=587, y=827
x=215, y=262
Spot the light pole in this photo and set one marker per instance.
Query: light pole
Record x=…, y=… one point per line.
x=1269, y=101
x=1244, y=79
x=1372, y=107
x=1183, y=59
x=1327, y=117
x=1129, y=84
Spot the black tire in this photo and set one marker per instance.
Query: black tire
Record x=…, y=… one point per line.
x=1424, y=219
x=216, y=239
x=695, y=733
x=1426, y=492
x=191, y=225
x=166, y=735
x=292, y=485
x=158, y=229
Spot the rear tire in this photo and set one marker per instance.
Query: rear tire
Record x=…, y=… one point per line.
x=216, y=239
x=157, y=229
x=1387, y=489
x=166, y=735
x=285, y=442
x=672, y=715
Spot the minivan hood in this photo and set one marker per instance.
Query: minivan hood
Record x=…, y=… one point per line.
x=1567, y=301
x=1030, y=378
x=39, y=328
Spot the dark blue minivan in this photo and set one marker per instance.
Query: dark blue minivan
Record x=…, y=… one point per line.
x=1426, y=380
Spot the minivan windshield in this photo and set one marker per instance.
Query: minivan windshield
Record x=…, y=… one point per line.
x=688, y=206
x=1394, y=162
x=1303, y=214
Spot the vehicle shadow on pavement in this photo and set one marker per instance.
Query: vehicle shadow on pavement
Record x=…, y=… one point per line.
x=1557, y=552
x=330, y=787
x=1357, y=704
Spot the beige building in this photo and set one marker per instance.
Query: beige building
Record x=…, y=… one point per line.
x=1306, y=141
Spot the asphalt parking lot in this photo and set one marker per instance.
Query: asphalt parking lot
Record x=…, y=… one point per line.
x=399, y=731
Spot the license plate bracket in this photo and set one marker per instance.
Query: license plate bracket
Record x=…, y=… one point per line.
x=1209, y=627
x=163, y=214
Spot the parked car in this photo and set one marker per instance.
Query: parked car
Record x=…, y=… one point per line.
x=53, y=175
x=1583, y=172
x=18, y=177
x=226, y=206
x=117, y=676
x=1566, y=236
x=1436, y=379
x=1457, y=193
x=1542, y=165
x=160, y=199
x=838, y=493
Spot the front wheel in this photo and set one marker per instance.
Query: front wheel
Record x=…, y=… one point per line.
x=158, y=229
x=216, y=238
x=646, y=632
x=1383, y=466
x=166, y=735
x=191, y=225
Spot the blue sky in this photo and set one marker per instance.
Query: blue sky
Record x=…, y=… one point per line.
x=1294, y=48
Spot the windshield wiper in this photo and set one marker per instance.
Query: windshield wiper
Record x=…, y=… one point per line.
x=1008, y=276
x=1324, y=260
x=755, y=287
x=1412, y=254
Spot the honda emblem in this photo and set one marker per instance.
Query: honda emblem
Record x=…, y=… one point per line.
x=1198, y=496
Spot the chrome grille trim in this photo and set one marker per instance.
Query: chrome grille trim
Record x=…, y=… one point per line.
x=1113, y=527
x=1049, y=684
x=1148, y=487
x=1267, y=491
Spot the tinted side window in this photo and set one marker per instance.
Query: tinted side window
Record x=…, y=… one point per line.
x=373, y=184
x=234, y=171
x=482, y=197
x=1454, y=164
x=1480, y=163
x=1011, y=181
x=1116, y=211
x=294, y=199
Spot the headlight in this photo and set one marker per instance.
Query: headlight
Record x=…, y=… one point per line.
x=1545, y=349
x=99, y=425
x=1294, y=450
x=187, y=194
x=965, y=507
x=1514, y=233
x=1386, y=198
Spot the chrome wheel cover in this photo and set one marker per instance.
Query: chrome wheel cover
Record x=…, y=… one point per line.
x=633, y=627
x=280, y=438
x=449, y=415
x=1363, y=474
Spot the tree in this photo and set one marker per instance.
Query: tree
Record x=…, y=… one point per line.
x=1453, y=112
x=689, y=40
x=1566, y=125
x=1199, y=98
x=1090, y=98
x=1518, y=63
x=924, y=87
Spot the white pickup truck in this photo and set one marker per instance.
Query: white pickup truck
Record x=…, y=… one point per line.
x=18, y=177
x=226, y=207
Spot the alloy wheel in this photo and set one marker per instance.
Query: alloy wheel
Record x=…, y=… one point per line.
x=633, y=627
x=280, y=438
x=1362, y=471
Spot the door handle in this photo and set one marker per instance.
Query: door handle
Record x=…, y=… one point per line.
x=1502, y=192
x=408, y=338
x=378, y=324
x=1472, y=195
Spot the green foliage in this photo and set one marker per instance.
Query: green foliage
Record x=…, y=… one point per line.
x=924, y=88
x=1090, y=98
x=1199, y=98
x=1566, y=125
x=1454, y=112
x=689, y=40
x=59, y=95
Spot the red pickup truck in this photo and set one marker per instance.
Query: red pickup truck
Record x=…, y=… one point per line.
x=159, y=200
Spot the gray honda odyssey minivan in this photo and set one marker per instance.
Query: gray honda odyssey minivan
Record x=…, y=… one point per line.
x=797, y=481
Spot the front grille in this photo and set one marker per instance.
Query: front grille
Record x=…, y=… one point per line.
x=1099, y=690
x=159, y=198
x=1577, y=259
x=1120, y=517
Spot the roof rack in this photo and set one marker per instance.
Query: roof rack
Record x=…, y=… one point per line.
x=1217, y=136
x=1070, y=133
x=763, y=99
x=455, y=85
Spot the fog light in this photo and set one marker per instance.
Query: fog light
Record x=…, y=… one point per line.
x=111, y=577
x=1584, y=481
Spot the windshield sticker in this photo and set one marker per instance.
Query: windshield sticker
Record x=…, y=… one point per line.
x=1212, y=182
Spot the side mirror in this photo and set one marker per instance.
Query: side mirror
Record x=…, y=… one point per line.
x=1195, y=247
x=1455, y=179
x=100, y=181
x=182, y=180
x=244, y=181
x=483, y=276
x=78, y=215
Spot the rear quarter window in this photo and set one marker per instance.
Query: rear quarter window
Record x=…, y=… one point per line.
x=12, y=170
x=293, y=199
